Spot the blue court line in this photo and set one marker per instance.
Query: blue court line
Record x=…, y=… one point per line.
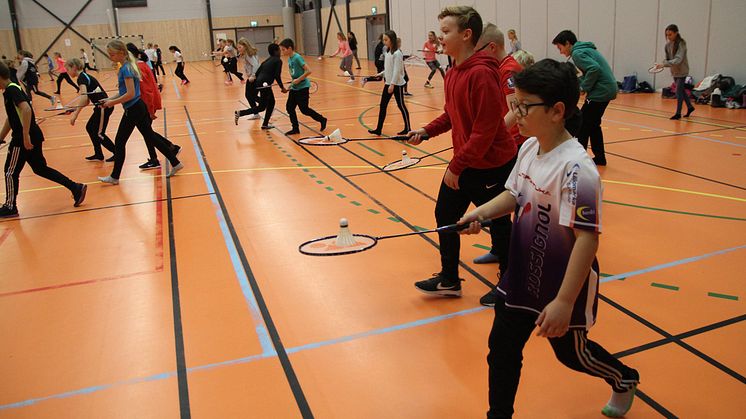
x=176, y=89
x=261, y=329
x=676, y=134
x=670, y=264
x=343, y=339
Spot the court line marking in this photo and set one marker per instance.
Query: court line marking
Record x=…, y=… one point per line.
x=675, y=134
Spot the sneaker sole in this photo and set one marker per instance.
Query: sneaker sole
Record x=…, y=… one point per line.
x=442, y=293
x=81, y=198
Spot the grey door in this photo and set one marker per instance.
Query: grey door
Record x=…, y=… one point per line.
x=310, y=33
x=260, y=38
x=374, y=27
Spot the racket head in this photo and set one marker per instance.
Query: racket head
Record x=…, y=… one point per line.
x=321, y=140
x=400, y=165
x=654, y=70
x=314, y=88
x=326, y=246
x=62, y=109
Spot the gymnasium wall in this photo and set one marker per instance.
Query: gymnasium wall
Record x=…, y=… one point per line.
x=358, y=8
x=166, y=22
x=629, y=33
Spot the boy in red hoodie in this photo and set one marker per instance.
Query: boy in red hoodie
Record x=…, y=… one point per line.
x=484, y=151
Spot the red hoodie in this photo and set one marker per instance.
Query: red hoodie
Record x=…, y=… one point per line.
x=149, y=90
x=474, y=107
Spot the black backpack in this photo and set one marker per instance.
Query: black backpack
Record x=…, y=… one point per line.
x=645, y=87
x=31, y=78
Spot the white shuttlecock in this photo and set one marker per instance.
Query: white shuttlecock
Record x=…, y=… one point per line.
x=347, y=73
x=320, y=58
x=335, y=136
x=265, y=84
x=405, y=158
x=59, y=106
x=345, y=237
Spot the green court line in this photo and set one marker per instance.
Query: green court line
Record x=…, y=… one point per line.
x=306, y=170
x=320, y=182
x=355, y=203
x=481, y=246
x=723, y=296
x=418, y=228
x=394, y=219
x=668, y=287
x=294, y=160
x=329, y=188
x=312, y=176
x=341, y=195
x=373, y=211
x=370, y=149
x=722, y=217
x=299, y=164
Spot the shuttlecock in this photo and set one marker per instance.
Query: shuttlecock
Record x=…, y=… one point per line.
x=59, y=105
x=347, y=73
x=335, y=136
x=345, y=237
x=320, y=58
x=265, y=84
x=405, y=158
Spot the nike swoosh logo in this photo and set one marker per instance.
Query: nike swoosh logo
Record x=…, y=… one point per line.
x=490, y=186
x=441, y=287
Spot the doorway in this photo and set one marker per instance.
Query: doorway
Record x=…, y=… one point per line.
x=260, y=38
x=374, y=27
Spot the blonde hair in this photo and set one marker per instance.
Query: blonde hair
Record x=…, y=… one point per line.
x=130, y=59
x=248, y=48
x=74, y=63
x=524, y=58
x=466, y=18
x=342, y=35
x=491, y=33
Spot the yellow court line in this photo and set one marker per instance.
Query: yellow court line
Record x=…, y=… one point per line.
x=663, y=188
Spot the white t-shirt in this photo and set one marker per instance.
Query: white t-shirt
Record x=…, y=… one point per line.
x=178, y=57
x=152, y=55
x=555, y=193
x=85, y=58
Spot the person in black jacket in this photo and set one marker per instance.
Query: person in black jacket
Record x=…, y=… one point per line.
x=379, y=54
x=269, y=71
x=352, y=39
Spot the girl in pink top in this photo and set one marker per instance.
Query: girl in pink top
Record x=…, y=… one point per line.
x=344, y=49
x=63, y=73
x=432, y=47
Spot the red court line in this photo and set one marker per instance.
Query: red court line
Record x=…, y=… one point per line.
x=75, y=284
x=6, y=233
x=159, y=253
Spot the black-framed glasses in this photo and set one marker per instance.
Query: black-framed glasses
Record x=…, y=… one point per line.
x=521, y=109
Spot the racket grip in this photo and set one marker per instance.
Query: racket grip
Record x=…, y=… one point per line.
x=406, y=137
x=458, y=227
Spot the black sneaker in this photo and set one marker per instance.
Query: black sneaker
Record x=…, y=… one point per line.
x=293, y=131
x=79, y=194
x=599, y=162
x=150, y=165
x=489, y=299
x=440, y=285
x=95, y=157
x=110, y=159
x=374, y=132
x=236, y=115
x=6, y=212
x=323, y=124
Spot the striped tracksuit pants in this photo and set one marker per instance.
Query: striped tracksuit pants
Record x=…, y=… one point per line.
x=510, y=332
x=17, y=159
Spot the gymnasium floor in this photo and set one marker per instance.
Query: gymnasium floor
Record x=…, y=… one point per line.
x=168, y=298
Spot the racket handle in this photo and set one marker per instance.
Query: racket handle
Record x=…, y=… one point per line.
x=458, y=227
x=406, y=137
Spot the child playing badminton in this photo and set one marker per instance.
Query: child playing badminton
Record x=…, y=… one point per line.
x=25, y=146
x=91, y=92
x=393, y=75
x=250, y=65
x=430, y=49
x=343, y=47
x=179, y=60
x=555, y=194
x=268, y=72
x=63, y=74
x=484, y=151
x=299, y=86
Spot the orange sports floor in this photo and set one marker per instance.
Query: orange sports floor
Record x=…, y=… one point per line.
x=187, y=297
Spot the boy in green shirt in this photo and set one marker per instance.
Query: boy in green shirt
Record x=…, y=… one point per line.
x=299, y=86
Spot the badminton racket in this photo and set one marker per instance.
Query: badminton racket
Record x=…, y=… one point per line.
x=68, y=108
x=41, y=120
x=327, y=246
x=311, y=90
x=336, y=138
x=407, y=162
x=655, y=69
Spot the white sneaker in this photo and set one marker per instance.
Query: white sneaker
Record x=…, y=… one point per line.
x=109, y=179
x=351, y=81
x=175, y=169
x=53, y=99
x=253, y=116
x=346, y=73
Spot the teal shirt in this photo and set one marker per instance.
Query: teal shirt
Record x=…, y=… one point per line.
x=598, y=80
x=296, y=63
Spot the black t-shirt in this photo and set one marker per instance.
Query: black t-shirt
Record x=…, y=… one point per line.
x=14, y=96
x=353, y=43
x=91, y=84
x=269, y=71
x=158, y=53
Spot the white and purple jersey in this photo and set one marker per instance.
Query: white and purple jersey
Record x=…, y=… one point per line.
x=555, y=192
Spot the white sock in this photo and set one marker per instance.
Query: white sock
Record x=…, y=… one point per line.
x=619, y=403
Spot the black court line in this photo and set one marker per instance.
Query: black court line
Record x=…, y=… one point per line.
x=677, y=171
x=694, y=332
x=675, y=340
x=676, y=134
x=700, y=119
x=181, y=371
x=282, y=355
x=655, y=405
x=129, y=204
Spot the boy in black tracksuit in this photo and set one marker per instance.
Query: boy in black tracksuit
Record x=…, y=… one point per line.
x=268, y=72
x=25, y=146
